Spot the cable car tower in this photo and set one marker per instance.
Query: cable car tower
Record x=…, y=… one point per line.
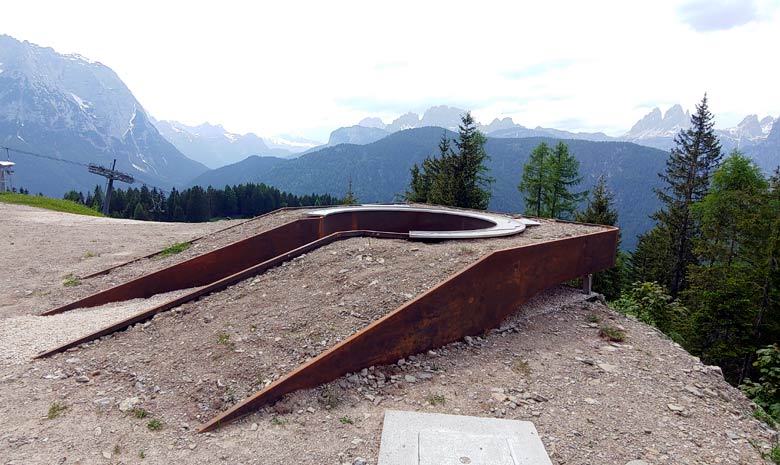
x=111, y=175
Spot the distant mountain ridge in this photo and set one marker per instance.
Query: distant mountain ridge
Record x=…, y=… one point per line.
x=214, y=146
x=379, y=171
x=79, y=110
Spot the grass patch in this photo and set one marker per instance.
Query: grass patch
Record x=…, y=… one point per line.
x=330, y=397
x=346, y=420
x=142, y=454
x=154, y=425
x=612, y=334
x=521, y=367
x=139, y=412
x=55, y=410
x=71, y=280
x=65, y=206
x=436, y=399
x=173, y=249
x=89, y=255
x=761, y=415
x=277, y=421
x=224, y=339
x=593, y=318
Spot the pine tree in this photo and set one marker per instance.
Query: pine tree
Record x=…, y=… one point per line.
x=726, y=284
x=687, y=176
x=349, y=197
x=453, y=178
x=534, y=178
x=601, y=210
x=564, y=174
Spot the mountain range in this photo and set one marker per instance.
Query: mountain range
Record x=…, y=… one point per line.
x=379, y=171
x=71, y=108
x=78, y=112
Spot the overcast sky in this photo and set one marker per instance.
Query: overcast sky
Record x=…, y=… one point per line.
x=307, y=67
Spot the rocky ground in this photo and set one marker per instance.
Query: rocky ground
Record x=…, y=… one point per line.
x=592, y=401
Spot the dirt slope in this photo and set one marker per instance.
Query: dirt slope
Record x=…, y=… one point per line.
x=593, y=402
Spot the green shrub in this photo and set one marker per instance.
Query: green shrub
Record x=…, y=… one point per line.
x=766, y=392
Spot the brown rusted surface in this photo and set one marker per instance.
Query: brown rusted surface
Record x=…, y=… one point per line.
x=473, y=300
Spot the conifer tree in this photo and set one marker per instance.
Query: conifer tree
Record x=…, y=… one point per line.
x=349, y=197
x=687, y=176
x=564, y=174
x=533, y=181
x=725, y=293
x=456, y=179
x=601, y=210
x=547, y=179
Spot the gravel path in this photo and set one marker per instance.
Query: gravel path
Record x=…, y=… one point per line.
x=23, y=337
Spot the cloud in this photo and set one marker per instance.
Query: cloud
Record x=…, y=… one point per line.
x=537, y=69
x=718, y=15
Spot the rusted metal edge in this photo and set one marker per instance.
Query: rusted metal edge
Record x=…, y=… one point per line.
x=218, y=286
x=469, y=302
x=112, y=268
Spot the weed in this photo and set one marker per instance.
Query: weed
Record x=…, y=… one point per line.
x=593, y=318
x=466, y=250
x=521, y=367
x=224, y=339
x=346, y=420
x=173, y=249
x=154, y=425
x=71, y=280
x=116, y=449
x=89, y=255
x=436, y=399
x=56, y=409
x=761, y=415
x=277, y=421
x=139, y=412
x=612, y=334
x=330, y=397
x=142, y=454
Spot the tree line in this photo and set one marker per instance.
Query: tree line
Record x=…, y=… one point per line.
x=197, y=204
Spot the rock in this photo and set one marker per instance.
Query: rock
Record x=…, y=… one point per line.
x=693, y=391
x=253, y=427
x=712, y=369
x=128, y=404
x=410, y=379
x=310, y=409
x=638, y=462
x=590, y=401
x=107, y=454
x=98, y=431
x=359, y=461
x=357, y=441
x=607, y=367
x=499, y=396
x=82, y=379
x=675, y=408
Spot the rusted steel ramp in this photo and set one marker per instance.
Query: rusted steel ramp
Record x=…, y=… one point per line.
x=471, y=301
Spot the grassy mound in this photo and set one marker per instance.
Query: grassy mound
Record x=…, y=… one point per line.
x=57, y=205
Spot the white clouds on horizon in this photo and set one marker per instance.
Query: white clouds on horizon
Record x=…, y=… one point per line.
x=308, y=67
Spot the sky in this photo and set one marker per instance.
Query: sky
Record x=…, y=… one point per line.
x=308, y=67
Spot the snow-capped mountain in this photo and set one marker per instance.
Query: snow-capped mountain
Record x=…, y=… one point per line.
x=293, y=144
x=656, y=128
x=69, y=107
x=214, y=146
x=659, y=130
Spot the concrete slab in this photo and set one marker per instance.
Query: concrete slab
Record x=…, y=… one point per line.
x=411, y=438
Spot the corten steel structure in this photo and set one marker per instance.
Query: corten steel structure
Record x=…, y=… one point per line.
x=469, y=302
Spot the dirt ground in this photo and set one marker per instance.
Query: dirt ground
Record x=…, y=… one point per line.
x=593, y=402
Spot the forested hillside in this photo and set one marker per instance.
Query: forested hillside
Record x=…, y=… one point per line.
x=380, y=171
